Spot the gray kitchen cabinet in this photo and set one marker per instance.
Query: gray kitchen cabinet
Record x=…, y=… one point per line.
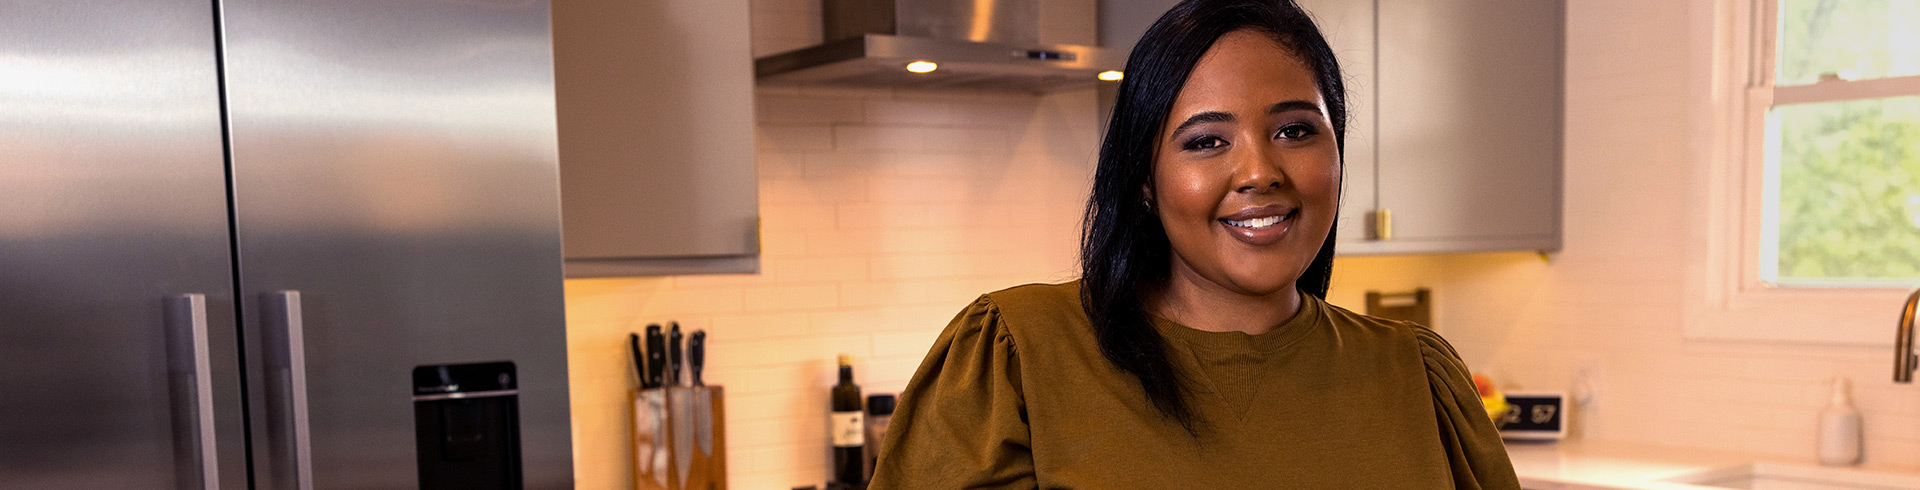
x=1454, y=143
x=655, y=104
x=1348, y=27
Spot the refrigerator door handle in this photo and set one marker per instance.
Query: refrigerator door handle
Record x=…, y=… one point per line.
x=292, y=455
x=191, y=388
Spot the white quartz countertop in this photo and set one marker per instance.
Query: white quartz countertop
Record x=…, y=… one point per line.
x=1594, y=465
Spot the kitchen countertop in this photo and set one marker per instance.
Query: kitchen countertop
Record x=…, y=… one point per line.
x=1595, y=465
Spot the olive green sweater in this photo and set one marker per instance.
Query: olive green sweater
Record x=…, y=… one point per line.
x=1015, y=394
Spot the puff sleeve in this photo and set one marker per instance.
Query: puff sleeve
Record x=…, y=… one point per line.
x=962, y=420
x=1477, y=458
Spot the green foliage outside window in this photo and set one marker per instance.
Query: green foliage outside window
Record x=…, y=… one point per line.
x=1854, y=39
x=1848, y=173
x=1850, y=189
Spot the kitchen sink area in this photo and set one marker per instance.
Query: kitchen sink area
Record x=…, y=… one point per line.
x=1594, y=465
x=1778, y=476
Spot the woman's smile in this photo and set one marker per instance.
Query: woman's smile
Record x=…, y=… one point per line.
x=1260, y=226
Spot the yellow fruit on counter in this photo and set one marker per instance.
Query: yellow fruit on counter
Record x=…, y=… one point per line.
x=1491, y=398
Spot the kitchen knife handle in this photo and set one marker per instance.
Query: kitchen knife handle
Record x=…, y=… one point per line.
x=656, y=357
x=697, y=356
x=291, y=450
x=674, y=362
x=196, y=465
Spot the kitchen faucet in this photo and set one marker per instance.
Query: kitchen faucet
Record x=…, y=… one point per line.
x=1904, y=361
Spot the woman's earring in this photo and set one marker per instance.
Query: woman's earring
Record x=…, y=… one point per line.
x=1148, y=203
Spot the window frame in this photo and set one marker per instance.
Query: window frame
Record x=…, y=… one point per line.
x=1733, y=43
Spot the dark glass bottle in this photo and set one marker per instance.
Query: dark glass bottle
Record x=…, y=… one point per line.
x=848, y=433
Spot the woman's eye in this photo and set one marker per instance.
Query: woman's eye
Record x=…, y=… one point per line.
x=1205, y=143
x=1294, y=131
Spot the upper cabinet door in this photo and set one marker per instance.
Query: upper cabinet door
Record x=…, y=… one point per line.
x=1349, y=26
x=1470, y=98
x=113, y=211
x=656, y=136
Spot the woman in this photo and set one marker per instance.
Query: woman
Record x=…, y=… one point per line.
x=1196, y=351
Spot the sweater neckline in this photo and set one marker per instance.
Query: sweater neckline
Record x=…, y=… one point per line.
x=1312, y=312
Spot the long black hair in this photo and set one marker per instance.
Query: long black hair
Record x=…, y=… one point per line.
x=1124, y=253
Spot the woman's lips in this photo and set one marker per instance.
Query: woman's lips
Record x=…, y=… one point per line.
x=1260, y=226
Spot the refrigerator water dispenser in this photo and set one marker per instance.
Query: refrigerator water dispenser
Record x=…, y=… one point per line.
x=467, y=426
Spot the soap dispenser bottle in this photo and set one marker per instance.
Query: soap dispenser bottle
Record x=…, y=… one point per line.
x=1839, y=429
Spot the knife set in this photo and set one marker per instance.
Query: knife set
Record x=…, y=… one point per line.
x=679, y=430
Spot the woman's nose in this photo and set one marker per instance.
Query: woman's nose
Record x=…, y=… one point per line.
x=1256, y=169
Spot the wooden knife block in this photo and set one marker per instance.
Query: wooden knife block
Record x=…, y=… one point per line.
x=680, y=438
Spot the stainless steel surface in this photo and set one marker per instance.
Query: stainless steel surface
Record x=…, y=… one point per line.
x=190, y=382
x=291, y=452
x=995, y=21
x=878, y=60
x=1003, y=45
x=112, y=199
x=465, y=395
x=1904, y=360
x=655, y=110
x=395, y=162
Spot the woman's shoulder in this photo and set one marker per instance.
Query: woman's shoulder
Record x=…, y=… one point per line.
x=1037, y=298
x=1034, y=309
x=1430, y=344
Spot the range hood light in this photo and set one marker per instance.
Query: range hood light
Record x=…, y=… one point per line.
x=1111, y=75
x=922, y=66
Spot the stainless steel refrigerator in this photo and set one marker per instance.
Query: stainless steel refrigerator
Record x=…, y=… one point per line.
x=280, y=244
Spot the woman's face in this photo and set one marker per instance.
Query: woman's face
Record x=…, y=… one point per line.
x=1246, y=174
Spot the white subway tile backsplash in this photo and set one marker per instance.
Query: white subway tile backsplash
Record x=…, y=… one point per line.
x=876, y=320
x=816, y=269
x=799, y=216
x=847, y=137
x=783, y=109
x=910, y=112
x=801, y=297
x=783, y=243
x=911, y=344
x=814, y=349
x=810, y=190
x=789, y=138
x=875, y=216
x=972, y=141
x=732, y=327
x=895, y=164
x=869, y=294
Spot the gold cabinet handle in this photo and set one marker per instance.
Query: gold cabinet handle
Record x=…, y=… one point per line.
x=1383, y=224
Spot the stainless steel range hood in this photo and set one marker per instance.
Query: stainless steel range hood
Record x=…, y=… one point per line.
x=980, y=45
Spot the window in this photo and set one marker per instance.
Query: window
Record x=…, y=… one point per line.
x=1842, y=155
x=1807, y=129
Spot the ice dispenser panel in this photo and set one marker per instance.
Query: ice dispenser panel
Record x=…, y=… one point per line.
x=467, y=426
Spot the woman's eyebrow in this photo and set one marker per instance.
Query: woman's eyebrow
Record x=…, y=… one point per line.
x=1201, y=118
x=1218, y=116
x=1294, y=105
